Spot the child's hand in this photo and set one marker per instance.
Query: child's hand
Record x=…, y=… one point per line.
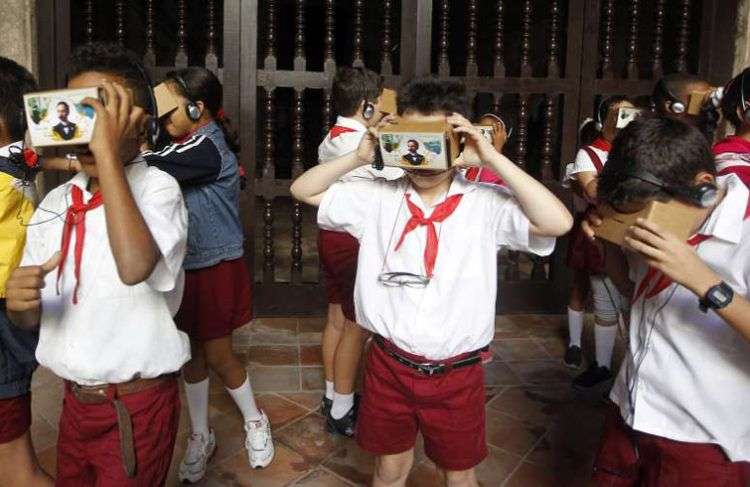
x=477, y=149
x=117, y=120
x=673, y=257
x=23, y=289
x=591, y=222
x=369, y=143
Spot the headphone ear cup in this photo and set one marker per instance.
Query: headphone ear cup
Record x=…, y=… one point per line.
x=599, y=126
x=677, y=107
x=193, y=112
x=369, y=111
x=152, y=126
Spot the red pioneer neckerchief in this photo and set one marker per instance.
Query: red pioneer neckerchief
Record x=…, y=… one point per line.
x=337, y=130
x=602, y=144
x=440, y=213
x=656, y=281
x=76, y=217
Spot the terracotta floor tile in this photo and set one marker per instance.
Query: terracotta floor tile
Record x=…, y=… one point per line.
x=274, y=331
x=309, y=438
x=496, y=467
x=274, y=379
x=272, y=355
x=539, y=405
x=424, y=474
x=287, y=466
x=43, y=377
x=353, y=464
x=529, y=475
x=554, y=346
x=48, y=401
x=507, y=328
x=311, y=355
x=312, y=378
x=309, y=400
x=43, y=435
x=279, y=410
x=311, y=329
x=542, y=372
x=48, y=459
x=511, y=434
x=497, y=373
x=320, y=478
x=512, y=349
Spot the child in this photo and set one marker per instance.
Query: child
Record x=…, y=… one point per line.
x=102, y=275
x=481, y=174
x=671, y=96
x=356, y=96
x=682, y=389
x=733, y=153
x=18, y=465
x=427, y=293
x=585, y=257
x=217, y=284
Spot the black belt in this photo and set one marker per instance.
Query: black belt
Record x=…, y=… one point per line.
x=431, y=368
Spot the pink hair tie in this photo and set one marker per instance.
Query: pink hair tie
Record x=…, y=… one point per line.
x=220, y=115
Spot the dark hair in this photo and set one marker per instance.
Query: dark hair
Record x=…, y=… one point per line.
x=67, y=107
x=412, y=140
x=587, y=132
x=431, y=95
x=200, y=84
x=673, y=86
x=668, y=148
x=15, y=81
x=353, y=85
x=606, y=104
x=732, y=99
x=111, y=58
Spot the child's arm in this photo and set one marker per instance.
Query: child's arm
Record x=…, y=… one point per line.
x=679, y=261
x=587, y=183
x=312, y=184
x=118, y=123
x=195, y=162
x=547, y=215
x=23, y=295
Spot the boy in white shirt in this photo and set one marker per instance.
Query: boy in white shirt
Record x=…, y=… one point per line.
x=432, y=312
x=681, y=393
x=105, y=296
x=356, y=94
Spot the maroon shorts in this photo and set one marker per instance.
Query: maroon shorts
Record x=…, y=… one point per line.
x=217, y=300
x=398, y=401
x=15, y=417
x=661, y=462
x=88, y=445
x=338, y=252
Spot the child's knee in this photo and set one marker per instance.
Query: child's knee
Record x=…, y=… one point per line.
x=463, y=478
x=222, y=364
x=392, y=468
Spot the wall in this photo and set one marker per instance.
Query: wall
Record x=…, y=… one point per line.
x=18, y=32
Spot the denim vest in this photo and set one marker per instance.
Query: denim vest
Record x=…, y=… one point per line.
x=214, y=228
x=17, y=361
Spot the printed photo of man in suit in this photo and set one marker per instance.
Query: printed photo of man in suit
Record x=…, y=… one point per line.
x=412, y=157
x=65, y=128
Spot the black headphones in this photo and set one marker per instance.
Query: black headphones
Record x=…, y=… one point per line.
x=152, y=125
x=598, y=116
x=368, y=111
x=192, y=110
x=674, y=104
x=703, y=195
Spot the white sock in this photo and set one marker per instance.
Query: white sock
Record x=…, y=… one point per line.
x=342, y=403
x=197, y=401
x=243, y=398
x=329, y=390
x=604, y=337
x=575, y=327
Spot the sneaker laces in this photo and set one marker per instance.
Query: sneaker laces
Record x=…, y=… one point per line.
x=196, y=449
x=257, y=434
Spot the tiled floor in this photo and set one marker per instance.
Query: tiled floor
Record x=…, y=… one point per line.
x=539, y=433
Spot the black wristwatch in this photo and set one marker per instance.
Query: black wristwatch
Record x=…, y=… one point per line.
x=717, y=297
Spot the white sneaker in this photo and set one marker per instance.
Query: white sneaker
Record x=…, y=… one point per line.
x=258, y=442
x=197, y=455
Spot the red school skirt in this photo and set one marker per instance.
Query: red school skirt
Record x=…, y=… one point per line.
x=338, y=253
x=583, y=254
x=216, y=301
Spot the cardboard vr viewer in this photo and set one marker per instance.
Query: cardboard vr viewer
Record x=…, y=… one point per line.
x=59, y=117
x=673, y=216
x=419, y=145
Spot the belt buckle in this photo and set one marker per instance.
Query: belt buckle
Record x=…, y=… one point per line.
x=431, y=369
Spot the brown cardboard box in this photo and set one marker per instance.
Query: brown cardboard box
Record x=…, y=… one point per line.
x=388, y=101
x=436, y=145
x=165, y=100
x=673, y=216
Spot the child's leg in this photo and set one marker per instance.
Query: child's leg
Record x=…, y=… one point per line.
x=195, y=375
x=346, y=365
x=463, y=478
x=221, y=359
x=579, y=291
x=18, y=464
x=332, y=334
x=392, y=470
x=606, y=303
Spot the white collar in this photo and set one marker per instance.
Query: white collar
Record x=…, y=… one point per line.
x=459, y=185
x=350, y=123
x=726, y=220
x=5, y=150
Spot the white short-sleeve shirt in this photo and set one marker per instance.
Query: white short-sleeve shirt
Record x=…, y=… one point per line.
x=116, y=332
x=687, y=374
x=455, y=313
x=339, y=142
x=582, y=163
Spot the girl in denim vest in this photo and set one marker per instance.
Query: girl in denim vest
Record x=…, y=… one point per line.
x=217, y=296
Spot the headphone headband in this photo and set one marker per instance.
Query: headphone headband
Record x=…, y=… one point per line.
x=191, y=109
x=152, y=127
x=702, y=195
x=676, y=105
